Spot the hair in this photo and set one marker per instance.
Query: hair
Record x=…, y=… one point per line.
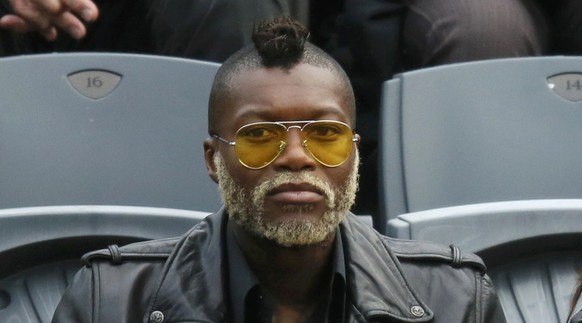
x=576, y=296
x=279, y=42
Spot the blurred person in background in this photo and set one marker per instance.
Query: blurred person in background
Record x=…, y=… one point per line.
x=208, y=30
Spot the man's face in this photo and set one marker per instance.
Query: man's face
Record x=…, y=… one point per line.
x=294, y=200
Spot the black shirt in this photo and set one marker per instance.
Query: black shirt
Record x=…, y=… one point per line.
x=250, y=302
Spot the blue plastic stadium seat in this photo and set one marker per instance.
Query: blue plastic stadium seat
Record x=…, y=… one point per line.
x=532, y=249
x=483, y=131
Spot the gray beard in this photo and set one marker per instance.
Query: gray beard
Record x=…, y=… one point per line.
x=247, y=209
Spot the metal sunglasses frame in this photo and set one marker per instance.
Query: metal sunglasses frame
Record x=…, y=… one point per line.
x=294, y=125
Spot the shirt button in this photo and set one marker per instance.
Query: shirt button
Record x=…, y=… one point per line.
x=157, y=317
x=417, y=311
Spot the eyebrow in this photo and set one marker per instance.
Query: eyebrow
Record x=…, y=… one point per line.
x=318, y=113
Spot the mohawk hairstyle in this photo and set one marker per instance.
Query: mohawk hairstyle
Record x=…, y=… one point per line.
x=279, y=42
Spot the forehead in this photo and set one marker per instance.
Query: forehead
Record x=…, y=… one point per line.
x=304, y=92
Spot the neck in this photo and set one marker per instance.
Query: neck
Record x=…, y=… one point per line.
x=293, y=275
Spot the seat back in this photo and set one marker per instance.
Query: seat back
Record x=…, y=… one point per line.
x=484, y=131
x=531, y=248
x=104, y=129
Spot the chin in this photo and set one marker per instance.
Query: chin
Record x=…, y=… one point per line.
x=298, y=231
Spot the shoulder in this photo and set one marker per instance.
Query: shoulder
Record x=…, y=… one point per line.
x=424, y=253
x=116, y=276
x=414, y=250
x=154, y=250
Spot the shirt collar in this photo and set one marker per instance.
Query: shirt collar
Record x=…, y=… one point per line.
x=242, y=279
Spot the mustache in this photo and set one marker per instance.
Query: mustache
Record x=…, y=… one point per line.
x=286, y=178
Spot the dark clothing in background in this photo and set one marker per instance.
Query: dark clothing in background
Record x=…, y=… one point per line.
x=202, y=29
x=436, y=32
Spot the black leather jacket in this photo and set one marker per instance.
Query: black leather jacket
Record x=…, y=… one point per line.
x=183, y=280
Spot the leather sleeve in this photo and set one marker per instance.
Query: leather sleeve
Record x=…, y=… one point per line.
x=490, y=307
x=76, y=305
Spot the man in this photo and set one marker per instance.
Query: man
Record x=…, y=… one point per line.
x=285, y=247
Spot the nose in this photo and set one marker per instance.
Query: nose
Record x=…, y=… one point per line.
x=294, y=157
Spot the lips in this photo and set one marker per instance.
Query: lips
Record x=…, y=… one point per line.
x=296, y=193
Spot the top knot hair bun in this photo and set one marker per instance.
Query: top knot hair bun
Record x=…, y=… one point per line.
x=280, y=41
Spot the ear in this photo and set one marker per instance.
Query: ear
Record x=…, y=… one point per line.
x=358, y=140
x=209, y=150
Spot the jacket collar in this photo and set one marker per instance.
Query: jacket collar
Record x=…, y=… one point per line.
x=193, y=282
x=194, y=279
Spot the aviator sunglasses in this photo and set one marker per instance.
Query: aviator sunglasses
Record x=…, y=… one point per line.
x=258, y=144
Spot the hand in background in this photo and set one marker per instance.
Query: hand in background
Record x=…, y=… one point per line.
x=48, y=17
